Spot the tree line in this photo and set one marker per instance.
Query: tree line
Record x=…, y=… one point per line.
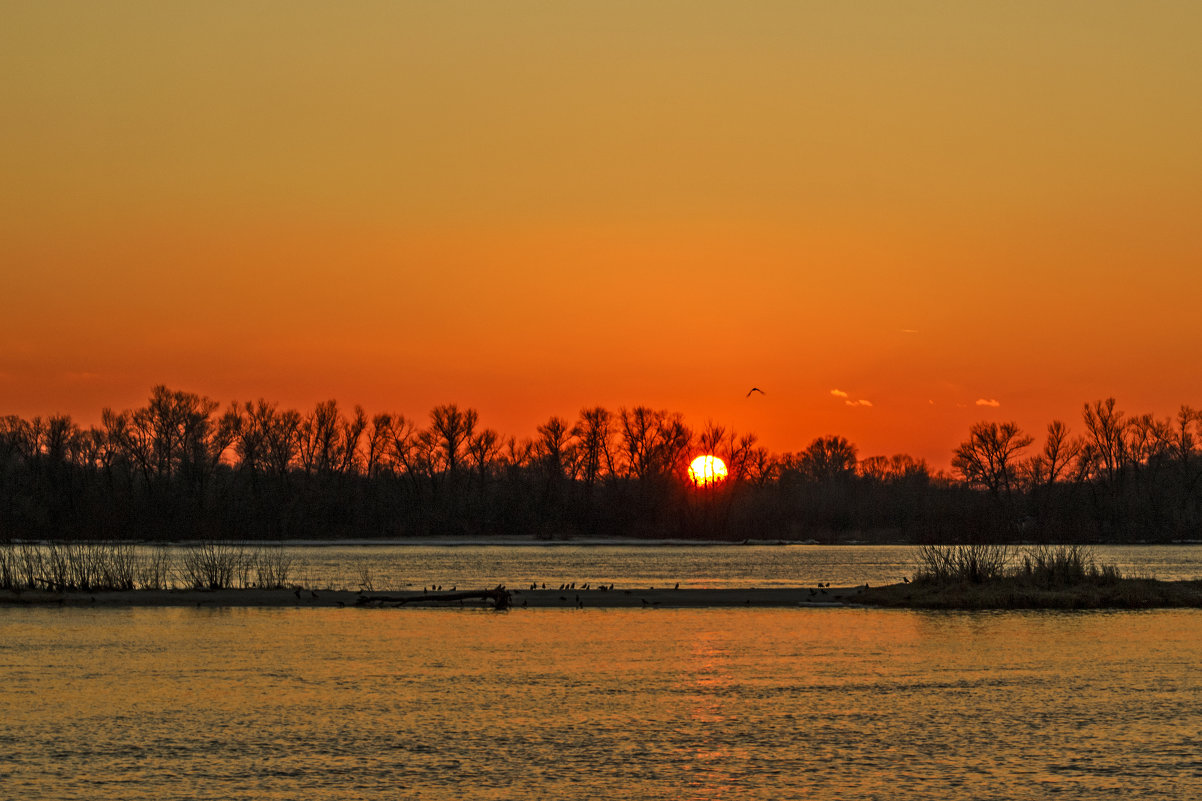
x=181, y=467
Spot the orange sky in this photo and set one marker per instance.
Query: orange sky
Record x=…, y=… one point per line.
x=532, y=207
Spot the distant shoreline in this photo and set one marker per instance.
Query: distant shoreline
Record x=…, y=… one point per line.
x=588, y=542
x=470, y=542
x=1015, y=593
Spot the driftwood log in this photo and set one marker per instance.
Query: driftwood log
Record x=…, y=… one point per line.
x=500, y=598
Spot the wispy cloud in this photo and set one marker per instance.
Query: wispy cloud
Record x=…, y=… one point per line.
x=909, y=330
x=991, y=402
x=847, y=399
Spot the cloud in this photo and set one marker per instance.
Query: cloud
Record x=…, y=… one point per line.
x=992, y=402
x=909, y=330
x=838, y=393
x=860, y=402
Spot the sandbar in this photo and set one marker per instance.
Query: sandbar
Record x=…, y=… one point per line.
x=651, y=598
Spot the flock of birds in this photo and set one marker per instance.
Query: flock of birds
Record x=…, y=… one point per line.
x=820, y=589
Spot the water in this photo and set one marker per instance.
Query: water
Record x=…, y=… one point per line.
x=652, y=704
x=628, y=565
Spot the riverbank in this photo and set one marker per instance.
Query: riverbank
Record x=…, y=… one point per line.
x=1015, y=593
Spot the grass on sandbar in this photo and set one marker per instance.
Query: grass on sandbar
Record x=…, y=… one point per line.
x=119, y=566
x=1038, y=577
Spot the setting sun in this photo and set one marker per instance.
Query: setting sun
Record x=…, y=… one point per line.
x=706, y=470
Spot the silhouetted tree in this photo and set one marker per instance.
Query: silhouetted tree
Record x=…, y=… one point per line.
x=594, y=444
x=989, y=458
x=827, y=459
x=180, y=467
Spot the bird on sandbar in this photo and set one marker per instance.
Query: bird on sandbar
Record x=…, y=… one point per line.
x=755, y=389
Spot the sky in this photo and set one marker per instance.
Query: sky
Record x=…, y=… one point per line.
x=895, y=218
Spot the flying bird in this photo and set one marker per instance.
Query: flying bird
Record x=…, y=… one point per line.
x=755, y=389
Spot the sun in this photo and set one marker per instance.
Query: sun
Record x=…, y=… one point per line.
x=707, y=470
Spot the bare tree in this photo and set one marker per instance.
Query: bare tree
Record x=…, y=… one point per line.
x=452, y=428
x=653, y=443
x=594, y=444
x=1149, y=440
x=402, y=445
x=553, y=449
x=1105, y=444
x=250, y=447
x=828, y=459
x=379, y=437
x=350, y=459
x=1060, y=451
x=711, y=437
x=518, y=453
x=1183, y=440
x=483, y=451
x=739, y=453
x=282, y=437
x=319, y=439
x=989, y=457
x=762, y=467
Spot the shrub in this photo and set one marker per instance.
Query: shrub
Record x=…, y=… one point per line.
x=214, y=566
x=1043, y=565
x=973, y=563
x=272, y=566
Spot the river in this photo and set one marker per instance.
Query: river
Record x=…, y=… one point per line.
x=694, y=704
x=182, y=703
x=626, y=564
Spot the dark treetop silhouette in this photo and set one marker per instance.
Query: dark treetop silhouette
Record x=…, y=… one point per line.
x=182, y=467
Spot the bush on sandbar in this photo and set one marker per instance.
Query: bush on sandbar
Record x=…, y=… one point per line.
x=109, y=566
x=1042, y=565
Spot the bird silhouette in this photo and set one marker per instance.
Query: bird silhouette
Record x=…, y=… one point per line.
x=755, y=389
